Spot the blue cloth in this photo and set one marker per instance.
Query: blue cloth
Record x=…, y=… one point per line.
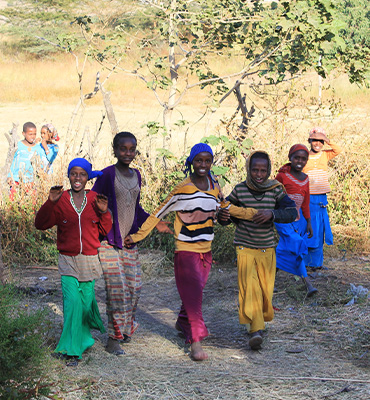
x=21, y=168
x=48, y=159
x=292, y=247
x=321, y=230
x=84, y=164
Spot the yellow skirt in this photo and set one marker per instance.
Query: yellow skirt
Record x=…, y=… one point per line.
x=256, y=278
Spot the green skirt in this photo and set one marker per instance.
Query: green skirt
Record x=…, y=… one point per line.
x=81, y=313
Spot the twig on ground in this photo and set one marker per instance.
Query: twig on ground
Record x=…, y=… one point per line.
x=344, y=389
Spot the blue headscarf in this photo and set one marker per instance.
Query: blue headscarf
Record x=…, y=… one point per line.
x=195, y=150
x=84, y=164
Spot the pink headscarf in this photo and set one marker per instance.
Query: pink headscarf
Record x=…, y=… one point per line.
x=318, y=133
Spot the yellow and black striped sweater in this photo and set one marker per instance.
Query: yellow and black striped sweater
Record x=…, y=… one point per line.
x=195, y=214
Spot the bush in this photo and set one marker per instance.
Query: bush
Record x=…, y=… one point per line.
x=21, y=242
x=22, y=354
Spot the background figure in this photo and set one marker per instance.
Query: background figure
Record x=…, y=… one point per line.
x=255, y=245
x=48, y=134
x=80, y=216
x=195, y=201
x=121, y=266
x=293, y=237
x=317, y=171
x=28, y=149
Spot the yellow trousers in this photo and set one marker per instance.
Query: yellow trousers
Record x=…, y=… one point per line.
x=256, y=278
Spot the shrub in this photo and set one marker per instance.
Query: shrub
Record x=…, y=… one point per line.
x=22, y=354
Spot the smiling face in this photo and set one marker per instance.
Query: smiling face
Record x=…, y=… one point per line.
x=78, y=178
x=316, y=145
x=125, y=151
x=298, y=160
x=202, y=163
x=30, y=135
x=46, y=134
x=259, y=170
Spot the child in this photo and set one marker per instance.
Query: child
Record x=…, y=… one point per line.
x=195, y=201
x=21, y=169
x=121, y=266
x=48, y=134
x=80, y=216
x=317, y=170
x=255, y=242
x=293, y=237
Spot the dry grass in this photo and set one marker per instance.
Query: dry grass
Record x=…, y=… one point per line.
x=314, y=347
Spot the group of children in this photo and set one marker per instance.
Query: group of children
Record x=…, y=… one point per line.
x=100, y=229
x=32, y=150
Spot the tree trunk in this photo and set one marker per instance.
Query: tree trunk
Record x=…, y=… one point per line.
x=109, y=109
x=13, y=139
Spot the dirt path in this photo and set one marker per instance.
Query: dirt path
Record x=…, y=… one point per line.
x=315, y=348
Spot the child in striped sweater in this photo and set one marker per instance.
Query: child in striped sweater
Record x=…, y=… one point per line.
x=196, y=201
x=317, y=171
x=255, y=245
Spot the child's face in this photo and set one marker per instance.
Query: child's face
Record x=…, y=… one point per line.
x=125, y=151
x=299, y=160
x=46, y=134
x=30, y=135
x=316, y=145
x=259, y=169
x=202, y=163
x=78, y=178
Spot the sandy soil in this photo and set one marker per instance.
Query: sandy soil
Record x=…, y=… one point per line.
x=315, y=348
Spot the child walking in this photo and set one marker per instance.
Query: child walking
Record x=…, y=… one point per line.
x=21, y=169
x=80, y=216
x=254, y=241
x=195, y=200
x=121, y=267
x=317, y=171
x=293, y=237
x=48, y=134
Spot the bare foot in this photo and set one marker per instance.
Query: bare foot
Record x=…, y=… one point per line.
x=197, y=353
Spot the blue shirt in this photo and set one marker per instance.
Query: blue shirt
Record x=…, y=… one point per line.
x=21, y=167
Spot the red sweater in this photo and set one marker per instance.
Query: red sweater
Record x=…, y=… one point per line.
x=299, y=191
x=76, y=234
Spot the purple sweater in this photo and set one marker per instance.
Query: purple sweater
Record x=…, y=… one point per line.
x=105, y=185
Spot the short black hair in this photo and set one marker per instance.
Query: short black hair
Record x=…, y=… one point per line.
x=28, y=125
x=123, y=135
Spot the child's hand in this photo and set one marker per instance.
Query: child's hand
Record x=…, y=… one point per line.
x=223, y=215
x=102, y=203
x=128, y=242
x=163, y=227
x=309, y=230
x=55, y=193
x=262, y=216
x=38, y=140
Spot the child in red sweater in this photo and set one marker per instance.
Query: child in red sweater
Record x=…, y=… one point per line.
x=80, y=216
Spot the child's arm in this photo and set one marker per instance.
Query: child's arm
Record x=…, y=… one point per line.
x=285, y=210
x=105, y=224
x=239, y=212
x=45, y=217
x=334, y=151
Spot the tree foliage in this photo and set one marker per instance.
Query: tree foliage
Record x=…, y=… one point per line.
x=275, y=40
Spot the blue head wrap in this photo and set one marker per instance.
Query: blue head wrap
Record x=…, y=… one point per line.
x=84, y=164
x=195, y=150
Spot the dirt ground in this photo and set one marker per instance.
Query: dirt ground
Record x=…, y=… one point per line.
x=315, y=348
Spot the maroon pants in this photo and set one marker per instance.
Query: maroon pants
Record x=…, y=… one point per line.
x=191, y=274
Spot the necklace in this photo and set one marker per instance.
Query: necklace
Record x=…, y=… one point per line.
x=78, y=210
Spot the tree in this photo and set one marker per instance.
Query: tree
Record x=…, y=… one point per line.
x=272, y=41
